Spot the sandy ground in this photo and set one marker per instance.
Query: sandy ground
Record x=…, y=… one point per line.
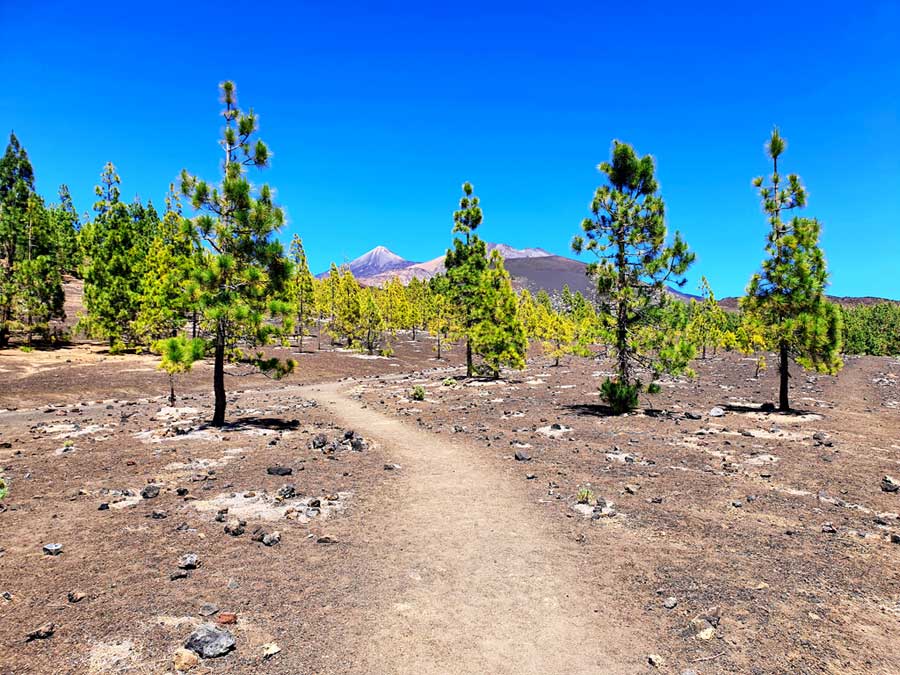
x=710, y=555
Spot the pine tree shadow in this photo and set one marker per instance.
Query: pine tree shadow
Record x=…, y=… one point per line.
x=271, y=423
x=765, y=409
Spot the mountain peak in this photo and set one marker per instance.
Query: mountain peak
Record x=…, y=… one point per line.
x=380, y=259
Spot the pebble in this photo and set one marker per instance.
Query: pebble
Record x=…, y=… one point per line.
x=670, y=603
x=75, y=596
x=270, y=649
x=522, y=456
x=207, y=609
x=828, y=528
x=53, y=549
x=235, y=528
x=656, y=660
x=184, y=659
x=226, y=618
x=716, y=412
x=890, y=484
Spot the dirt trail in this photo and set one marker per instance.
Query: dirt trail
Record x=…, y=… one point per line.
x=470, y=577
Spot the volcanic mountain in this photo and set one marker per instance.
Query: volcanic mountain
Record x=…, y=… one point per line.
x=379, y=260
x=531, y=268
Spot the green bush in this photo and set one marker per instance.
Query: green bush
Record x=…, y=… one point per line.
x=653, y=388
x=418, y=393
x=449, y=382
x=585, y=496
x=4, y=488
x=621, y=397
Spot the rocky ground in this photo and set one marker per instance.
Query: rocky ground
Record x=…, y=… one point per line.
x=336, y=525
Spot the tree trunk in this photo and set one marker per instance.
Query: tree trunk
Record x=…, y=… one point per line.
x=469, y=369
x=219, y=376
x=784, y=375
x=194, y=327
x=439, y=345
x=622, y=310
x=172, y=390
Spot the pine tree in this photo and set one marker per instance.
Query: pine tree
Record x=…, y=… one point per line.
x=16, y=188
x=371, y=321
x=708, y=320
x=244, y=269
x=628, y=235
x=416, y=299
x=65, y=224
x=395, y=306
x=116, y=243
x=466, y=264
x=37, y=284
x=498, y=335
x=301, y=291
x=788, y=294
x=442, y=315
x=166, y=300
x=347, y=308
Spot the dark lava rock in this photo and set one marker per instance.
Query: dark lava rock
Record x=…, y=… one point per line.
x=103, y=507
x=279, y=471
x=318, y=441
x=150, y=491
x=210, y=641
x=288, y=491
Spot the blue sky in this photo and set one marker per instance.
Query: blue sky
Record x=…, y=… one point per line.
x=375, y=117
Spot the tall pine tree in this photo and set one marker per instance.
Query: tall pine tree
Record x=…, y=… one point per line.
x=300, y=290
x=788, y=295
x=466, y=264
x=627, y=233
x=243, y=270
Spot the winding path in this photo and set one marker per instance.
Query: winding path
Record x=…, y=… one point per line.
x=471, y=576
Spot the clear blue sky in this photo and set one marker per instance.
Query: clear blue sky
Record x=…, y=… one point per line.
x=376, y=117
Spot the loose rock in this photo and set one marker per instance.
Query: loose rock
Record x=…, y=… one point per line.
x=184, y=659
x=150, y=492
x=42, y=632
x=53, y=549
x=209, y=641
x=279, y=471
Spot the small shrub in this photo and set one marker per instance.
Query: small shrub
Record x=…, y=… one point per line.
x=585, y=496
x=622, y=398
x=449, y=382
x=653, y=388
x=26, y=349
x=387, y=351
x=4, y=488
x=418, y=393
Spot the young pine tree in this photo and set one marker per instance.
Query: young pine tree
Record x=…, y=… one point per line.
x=628, y=235
x=243, y=271
x=788, y=295
x=178, y=356
x=498, y=335
x=371, y=319
x=166, y=300
x=300, y=290
x=708, y=320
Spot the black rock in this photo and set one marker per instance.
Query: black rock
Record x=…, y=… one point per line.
x=210, y=641
x=692, y=416
x=150, y=491
x=181, y=492
x=279, y=471
x=287, y=491
x=103, y=507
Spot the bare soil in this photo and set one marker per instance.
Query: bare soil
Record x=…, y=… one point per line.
x=458, y=558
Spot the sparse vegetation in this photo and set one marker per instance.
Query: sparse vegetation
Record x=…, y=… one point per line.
x=418, y=393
